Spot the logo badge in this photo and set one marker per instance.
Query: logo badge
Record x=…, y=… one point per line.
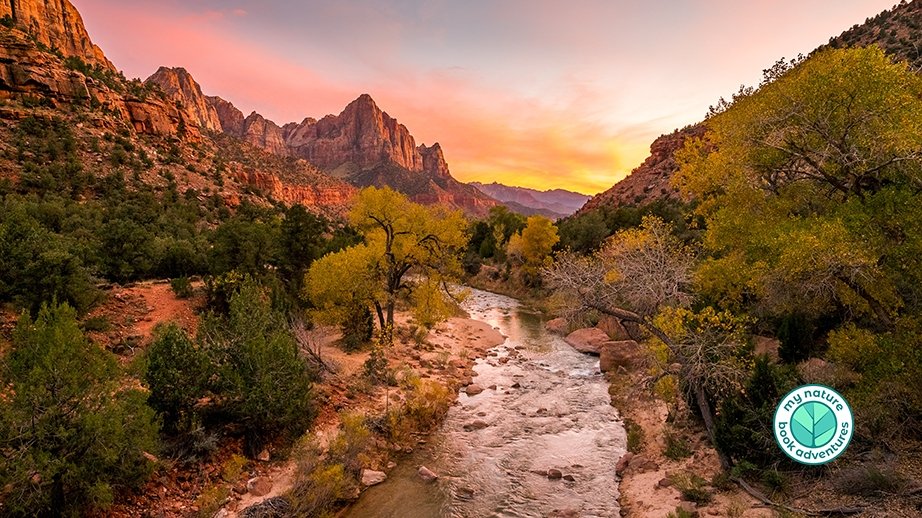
x=813, y=424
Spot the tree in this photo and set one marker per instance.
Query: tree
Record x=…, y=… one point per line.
x=532, y=247
x=177, y=375
x=643, y=276
x=401, y=237
x=69, y=433
x=809, y=188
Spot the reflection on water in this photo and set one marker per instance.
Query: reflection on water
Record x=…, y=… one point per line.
x=546, y=407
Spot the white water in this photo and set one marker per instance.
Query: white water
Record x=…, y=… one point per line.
x=559, y=416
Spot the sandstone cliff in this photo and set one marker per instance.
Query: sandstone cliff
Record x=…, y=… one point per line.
x=56, y=24
x=363, y=145
x=180, y=88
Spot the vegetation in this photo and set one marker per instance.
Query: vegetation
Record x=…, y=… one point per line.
x=804, y=227
x=401, y=237
x=70, y=434
x=247, y=362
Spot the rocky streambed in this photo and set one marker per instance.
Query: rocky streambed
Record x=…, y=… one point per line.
x=535, y=435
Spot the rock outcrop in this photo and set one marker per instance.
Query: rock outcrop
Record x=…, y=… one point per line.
x=363, y=145
x=362, y=135
x=180, y=88
x=58, y=25
x=230, y=118
x=652, y=180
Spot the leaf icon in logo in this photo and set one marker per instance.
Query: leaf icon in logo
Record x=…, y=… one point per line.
x=813, y=424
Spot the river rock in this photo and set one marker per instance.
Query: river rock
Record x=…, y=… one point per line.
x=476, y=425
x=613, y=328
x=558, y=326
x=554, y=474
x=426, y=474
x=371, y=477
x=588, y=340
x=612, y=355
x=259, y=486
x=569, y=478
x=473, y=389
x=623, y=463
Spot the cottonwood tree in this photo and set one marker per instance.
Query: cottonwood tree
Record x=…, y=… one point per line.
x=532, y=246
x=644, y=276
x=401, y=238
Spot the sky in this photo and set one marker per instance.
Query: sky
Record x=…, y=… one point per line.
x=535, y=93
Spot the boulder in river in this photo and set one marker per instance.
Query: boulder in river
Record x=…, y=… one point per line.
x=558, y=326
x=476, y=425
x=371, y=477
x=473, y=389
x=588, y=340
x=426, y=474
x=626, y=353
x=554, y=474
x=613, y=328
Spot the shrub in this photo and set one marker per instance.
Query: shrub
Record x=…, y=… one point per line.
x=177, y=373
x=357, y=328
x=319, y=486
x=871, y=480
x=262, y=380
x=636, y=438
x=70, y=435
x=182, y=287
x=676, y=447
x=692, y=487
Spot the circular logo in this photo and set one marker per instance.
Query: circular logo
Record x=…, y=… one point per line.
x=813, y=424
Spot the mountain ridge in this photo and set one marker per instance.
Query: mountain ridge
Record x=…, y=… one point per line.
x=554, y=203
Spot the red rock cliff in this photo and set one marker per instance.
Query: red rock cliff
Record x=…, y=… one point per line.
x=58, y=25
x=179, y=87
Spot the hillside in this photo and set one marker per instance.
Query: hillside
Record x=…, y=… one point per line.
x=554, y=203
x=898, y=31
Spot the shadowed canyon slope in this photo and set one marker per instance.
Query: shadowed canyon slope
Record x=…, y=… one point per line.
x=554, y=203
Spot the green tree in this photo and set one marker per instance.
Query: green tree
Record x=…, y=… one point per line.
x=177, y=375
x=71, y=435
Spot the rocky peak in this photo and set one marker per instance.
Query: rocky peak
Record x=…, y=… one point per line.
x=181, y=88
x=434, y=160
x=56, y=24
x=362, y=135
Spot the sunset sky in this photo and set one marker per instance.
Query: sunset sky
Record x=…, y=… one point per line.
x=537, y=93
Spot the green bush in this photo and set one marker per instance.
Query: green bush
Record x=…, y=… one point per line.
x=182, y=287
x=262, y=380
x=636, y=438
x=177, y=373
x=676, y=447
x=357, y=328
x=70, y=435
x=692, y=487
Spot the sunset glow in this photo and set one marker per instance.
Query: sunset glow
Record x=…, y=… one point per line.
x=533, y=93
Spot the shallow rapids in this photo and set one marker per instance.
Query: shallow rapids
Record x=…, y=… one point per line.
x=544, y=406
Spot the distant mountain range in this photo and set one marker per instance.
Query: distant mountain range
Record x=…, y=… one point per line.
x=556, y=203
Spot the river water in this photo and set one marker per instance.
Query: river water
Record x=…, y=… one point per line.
x=549, y=409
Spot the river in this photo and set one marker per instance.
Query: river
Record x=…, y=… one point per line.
x=549, y=409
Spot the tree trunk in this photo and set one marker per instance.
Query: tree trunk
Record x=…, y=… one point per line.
x=381, y=321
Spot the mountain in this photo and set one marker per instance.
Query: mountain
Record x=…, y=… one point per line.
x=651, y=180
x=898, y=31
x=57, y=25
x=555, y=203
x=167, y=130
x=362, y=145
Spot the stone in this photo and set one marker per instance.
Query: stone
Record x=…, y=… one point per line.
x=476, y=425
x=473, y=389
x=588, y=340
x=558, y=326
x=612, y=355
x=371, y=477
x=263, y=456
x=623, y=463
x=391, y=465
x=259, y=486
x=554, y=474
x=664, y=482
x=613, y=328
x=426, y=474
x=569, y=478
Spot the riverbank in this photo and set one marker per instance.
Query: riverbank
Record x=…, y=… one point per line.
x=670, y=464
x=444, y=356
